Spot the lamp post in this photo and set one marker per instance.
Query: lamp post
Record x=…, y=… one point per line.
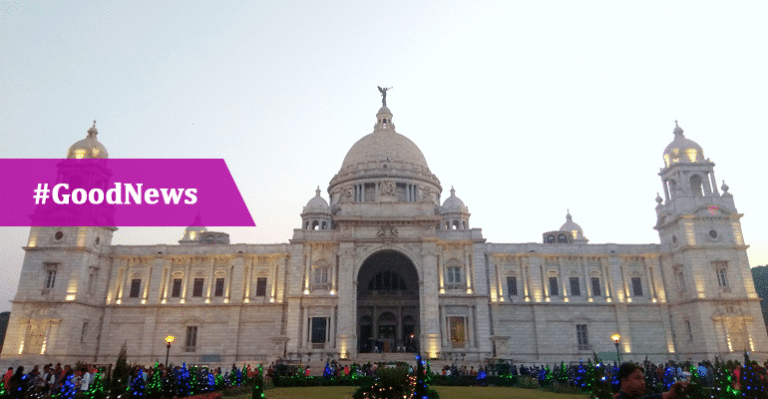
x=168, y=341
x=616, y=339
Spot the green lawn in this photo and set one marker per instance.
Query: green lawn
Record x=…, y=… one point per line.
x=445, y=393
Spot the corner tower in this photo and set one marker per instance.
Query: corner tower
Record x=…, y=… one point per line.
x=714, y=309
x=64, y=277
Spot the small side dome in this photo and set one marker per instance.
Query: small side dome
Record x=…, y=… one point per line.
x=193, y=233
x=682, y=150
x=454, y=203
x=317, y=215
x=455, y=213
x=317, y=203
x=574, y=229
x=89, y=147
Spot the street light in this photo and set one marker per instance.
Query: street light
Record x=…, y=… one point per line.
x=616, y=338
x=168, y=341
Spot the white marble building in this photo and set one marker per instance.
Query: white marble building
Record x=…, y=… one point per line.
x=384, y=267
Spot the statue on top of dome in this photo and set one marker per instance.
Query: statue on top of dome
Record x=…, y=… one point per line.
x=383, y=91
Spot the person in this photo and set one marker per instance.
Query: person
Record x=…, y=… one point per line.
x=306, y=372
x=85, y=379
x=632, y=380
x=16, y=384
x=7, y=377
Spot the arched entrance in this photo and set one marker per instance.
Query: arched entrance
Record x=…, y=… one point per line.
x=387, y=304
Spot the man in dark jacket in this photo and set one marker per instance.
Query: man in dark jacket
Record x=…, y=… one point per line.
x=633, y=384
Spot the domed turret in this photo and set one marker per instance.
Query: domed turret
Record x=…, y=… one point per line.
x=89, y=147
x=682, y=150
x=455, y=213
x=573, y=229
x=194, y=232
x=316, y=215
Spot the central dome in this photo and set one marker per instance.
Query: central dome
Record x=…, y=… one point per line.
x=384, y=157
x=384, y=144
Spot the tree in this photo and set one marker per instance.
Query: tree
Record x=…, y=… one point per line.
x=155, y=383
x=760, y=277
x=68, y=388
x=122, y=371
x=258, y=384
x=138, y=385
x=97, y=389
x=752, y=386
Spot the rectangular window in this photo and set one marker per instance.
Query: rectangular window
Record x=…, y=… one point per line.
x=553, y=291
x=575, y=287
x=457, y=329
x=176, y=289
x=321, y=275
x=596, y=291
x=722, y=278
x=261, y=286
x=582, y=336
x=512, y=286
x=680, y=281
x=219, y=291
x=637, y=287
x=191, y=338
x=688, y=330
x=197, y=288
x=50, y=278
x=135, y=288
x=319, y=329
x=454, y=275
x=91, y=281
x=84, y=332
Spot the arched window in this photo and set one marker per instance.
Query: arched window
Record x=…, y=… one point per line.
x=696, y=188
x=386, y=280
x=315, y=225
x=455, y=224
x=562, y=239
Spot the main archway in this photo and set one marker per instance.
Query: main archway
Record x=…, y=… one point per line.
x=387, y=304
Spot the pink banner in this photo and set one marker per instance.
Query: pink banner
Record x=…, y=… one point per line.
x=119, y=192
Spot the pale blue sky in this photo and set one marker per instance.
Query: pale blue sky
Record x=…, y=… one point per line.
x=526, y=108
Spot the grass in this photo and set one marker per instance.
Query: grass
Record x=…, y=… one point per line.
x=445, y=393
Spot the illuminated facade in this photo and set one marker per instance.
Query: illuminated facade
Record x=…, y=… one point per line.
x=383, y=268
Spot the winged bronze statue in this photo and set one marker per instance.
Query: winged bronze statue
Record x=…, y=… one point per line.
x=383, y=91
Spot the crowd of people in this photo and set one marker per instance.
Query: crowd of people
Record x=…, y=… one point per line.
x=47, y=381
x=657, y=377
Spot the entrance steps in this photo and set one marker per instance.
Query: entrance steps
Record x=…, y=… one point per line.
x=363, y=358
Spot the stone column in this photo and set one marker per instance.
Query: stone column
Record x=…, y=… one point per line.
x=211, y=266
x=649, y=276
x=430, y=325
x=238, y=272
x=524, y=276
x=587, y=282
x=346, y=337
x=563, y=278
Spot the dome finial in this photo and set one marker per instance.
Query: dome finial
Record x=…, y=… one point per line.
x=198, y=221
x=678, y=130
x=659, y=200
x=453, y=192
x=568, y=214
x=92, y=132
x=317, y=192
x=724, y=187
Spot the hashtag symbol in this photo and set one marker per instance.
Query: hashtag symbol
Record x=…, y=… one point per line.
x=41, y=193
